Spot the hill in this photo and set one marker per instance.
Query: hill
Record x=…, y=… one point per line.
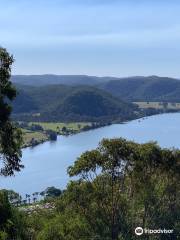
x=70, y=103
x=50, y=79
x=151, y=88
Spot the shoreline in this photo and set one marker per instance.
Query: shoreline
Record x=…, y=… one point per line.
x=38, y=142
x=71, y=150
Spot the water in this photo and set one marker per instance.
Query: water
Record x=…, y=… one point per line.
x=46, y=165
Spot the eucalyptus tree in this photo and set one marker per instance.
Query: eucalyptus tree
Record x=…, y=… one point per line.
x=123, y=185
x=10, y=135
x=103, y=173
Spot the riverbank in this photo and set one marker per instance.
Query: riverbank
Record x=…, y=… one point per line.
x=35, y=133
x=46, y=164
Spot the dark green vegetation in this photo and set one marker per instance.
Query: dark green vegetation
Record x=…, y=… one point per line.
x=55, y=103
x=153, y=88
x=120, y=185
x=51, y=192
x=133, y=89
x=12, y=221
x=10, y=136
x=107, y=100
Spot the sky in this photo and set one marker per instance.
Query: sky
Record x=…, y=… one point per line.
x=94, y=37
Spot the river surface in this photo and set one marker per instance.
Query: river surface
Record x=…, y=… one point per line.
x=46, y=164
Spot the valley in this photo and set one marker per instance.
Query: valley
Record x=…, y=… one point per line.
x=65, y=105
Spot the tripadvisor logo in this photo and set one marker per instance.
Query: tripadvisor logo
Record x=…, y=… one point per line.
x=139, y=231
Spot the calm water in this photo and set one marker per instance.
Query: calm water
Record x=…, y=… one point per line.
x=46, y=165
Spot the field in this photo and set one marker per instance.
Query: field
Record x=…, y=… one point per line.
x=34, y=137
x=29, y=135
x=158, y=105
x=58, y=126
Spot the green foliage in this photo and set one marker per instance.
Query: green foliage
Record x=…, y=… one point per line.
x=129, y=185
x=3, y=235
x=151, y=88
x=5, y=209
x=51, y=192
x=12, y=222
x=52, y=135
x=121, y=185
x=12, y=196
x=74, y=104
x=10, y=135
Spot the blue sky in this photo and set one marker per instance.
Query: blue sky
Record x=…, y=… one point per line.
x=94, y=37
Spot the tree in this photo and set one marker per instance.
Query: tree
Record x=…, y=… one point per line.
x=36, y=127
x=52, y=135
x=64, y=129
x=10, y=135
x=105, y=170
x=120, y=185
x=165, y=105
x=12, y=221
x=5, y=209
x=51, y=192
x=12, y=196
x=123, y=185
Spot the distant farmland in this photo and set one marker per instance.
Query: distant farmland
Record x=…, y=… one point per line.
x=158, y=105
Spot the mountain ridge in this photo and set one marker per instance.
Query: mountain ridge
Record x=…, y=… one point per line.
x=132, y=89
x=70, y=103
x=51, y=79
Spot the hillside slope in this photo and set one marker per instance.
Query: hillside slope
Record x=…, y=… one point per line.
x=151, y=88
x=67, y=103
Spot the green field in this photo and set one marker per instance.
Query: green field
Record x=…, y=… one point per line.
x=29, y=135
x=41, y=136
x=58, y=126
x=158, y=105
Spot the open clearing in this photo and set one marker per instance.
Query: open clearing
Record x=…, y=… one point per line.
x=29, y=135
x=58, y=126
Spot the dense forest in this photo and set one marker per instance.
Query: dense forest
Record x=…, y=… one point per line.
x=67, y=103
x=93, y=99
x=152, y=88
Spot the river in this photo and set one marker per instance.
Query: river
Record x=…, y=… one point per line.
x=46, y=164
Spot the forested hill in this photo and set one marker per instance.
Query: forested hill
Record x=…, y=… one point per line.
x=50, y=79
x=69, y=103
x=152, y=88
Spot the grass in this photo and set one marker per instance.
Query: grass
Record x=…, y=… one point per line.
x=29, y=135
x=59, y=125
x=158, y=105
x=41, y=136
